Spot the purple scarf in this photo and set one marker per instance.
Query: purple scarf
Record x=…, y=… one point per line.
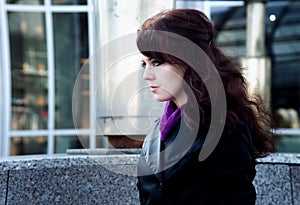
x=170, y=116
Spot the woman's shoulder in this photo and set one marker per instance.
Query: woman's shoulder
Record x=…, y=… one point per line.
x=235, y=146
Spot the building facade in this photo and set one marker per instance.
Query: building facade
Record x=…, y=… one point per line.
x=44, y=44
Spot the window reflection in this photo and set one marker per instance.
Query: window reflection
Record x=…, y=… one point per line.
x=230, y=26
x=71, y=50
x=288, y=143
x=25, y=1
x=69, y=2
x=62, y=143
x=287, y=118
x=28, y=71
x=283, y=48
x=28, y=145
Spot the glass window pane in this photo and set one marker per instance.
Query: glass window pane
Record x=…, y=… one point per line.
x=69, y=2
x=102, y=141
x=28, y=71
x=230, y=29
x=71, y=52
x=28, y=145
x=62, y=143
x=25, y=2
x=81, y=98
x=288, y=143
x=284, y=47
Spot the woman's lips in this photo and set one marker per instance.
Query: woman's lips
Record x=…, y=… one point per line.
x=154, y=88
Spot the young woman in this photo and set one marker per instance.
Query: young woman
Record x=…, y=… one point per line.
x=204, y=92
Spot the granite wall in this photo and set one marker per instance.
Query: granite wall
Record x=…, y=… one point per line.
x=3, y=186
x=109, y=179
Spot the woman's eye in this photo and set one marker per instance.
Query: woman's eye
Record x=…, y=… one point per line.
x=143, y=64
x=155, y=63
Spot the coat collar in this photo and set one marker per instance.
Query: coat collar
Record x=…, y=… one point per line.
x=180, y=141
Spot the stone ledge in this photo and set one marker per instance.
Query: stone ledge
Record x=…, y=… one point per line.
x=281, y=158
x=64, y=161
x=110, y=179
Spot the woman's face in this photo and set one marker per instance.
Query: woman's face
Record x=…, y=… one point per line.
x=165, y=80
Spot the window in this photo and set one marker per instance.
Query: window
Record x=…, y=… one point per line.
x=282, y=47
x=45, y=44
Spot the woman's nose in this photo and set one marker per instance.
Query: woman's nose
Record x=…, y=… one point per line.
x=148, y=74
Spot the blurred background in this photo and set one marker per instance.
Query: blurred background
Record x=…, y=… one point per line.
x=45, y=43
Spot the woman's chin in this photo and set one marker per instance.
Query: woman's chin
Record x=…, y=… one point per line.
x=162, y=98
x=159, y=99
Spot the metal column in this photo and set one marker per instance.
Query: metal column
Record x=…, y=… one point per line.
x=124, y=104
x=257, y=63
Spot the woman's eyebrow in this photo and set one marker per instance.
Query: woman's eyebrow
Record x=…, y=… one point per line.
x=148, y=59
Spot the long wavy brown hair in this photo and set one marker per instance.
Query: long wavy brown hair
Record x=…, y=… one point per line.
x=241, y=107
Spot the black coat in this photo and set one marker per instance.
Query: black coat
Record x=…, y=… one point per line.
x=167, y=176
